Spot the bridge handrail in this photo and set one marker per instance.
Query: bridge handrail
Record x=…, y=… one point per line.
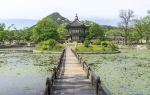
x=54, y=75
x=100, y=88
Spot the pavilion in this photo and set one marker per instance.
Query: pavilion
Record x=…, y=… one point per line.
x=76, y=31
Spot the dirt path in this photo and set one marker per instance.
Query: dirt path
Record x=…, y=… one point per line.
x=73, y=81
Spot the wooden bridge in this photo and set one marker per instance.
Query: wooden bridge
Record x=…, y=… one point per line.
x=72, y=76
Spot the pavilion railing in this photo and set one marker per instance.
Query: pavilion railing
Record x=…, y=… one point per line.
x=55, y=73
x=97, y=85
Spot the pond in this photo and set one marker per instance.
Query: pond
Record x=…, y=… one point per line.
x=23, y=72
x=126, y=73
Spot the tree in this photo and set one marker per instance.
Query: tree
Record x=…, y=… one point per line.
x=62, y=31
x=2, y=26
x=134, y=37
x=86, y=43
x=114, y=32
x=126, y=17
x=96, y=32
x=142, y=26
x=44, y=30
x=3, y=36
x=146, y=21
x=88, y=22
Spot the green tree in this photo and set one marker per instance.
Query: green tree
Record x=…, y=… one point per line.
x=62, y=31
x=114, y=32
x=2, y=26
x=96, y=32
x=146, y=21
x=142, y=27
x=88, y=22
x=134, y=37
x=44, y=30
x=3, y=36
x=86, y=42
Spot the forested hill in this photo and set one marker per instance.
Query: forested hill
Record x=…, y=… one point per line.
x=58, y=18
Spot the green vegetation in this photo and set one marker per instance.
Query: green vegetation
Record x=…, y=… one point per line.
x=24, y=68
x=51, y=45
x=42, y=34
x=44, y=30
x=86, y=43
x=95, y=31
x=62, y=31
x=103, y=47
x=123, y=73
x=53, y=27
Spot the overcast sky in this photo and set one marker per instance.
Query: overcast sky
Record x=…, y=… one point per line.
x=37, y=9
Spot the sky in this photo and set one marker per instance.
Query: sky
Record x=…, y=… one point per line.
x=37, y=9
x=86, y=9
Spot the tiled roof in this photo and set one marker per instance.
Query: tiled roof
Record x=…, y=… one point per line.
x=76, y=23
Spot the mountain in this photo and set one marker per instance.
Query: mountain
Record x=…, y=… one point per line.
x=22, y=23
x=58, y=18
x=19, y=23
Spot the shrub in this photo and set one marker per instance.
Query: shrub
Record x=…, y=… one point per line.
x=113, y=47
x=97, y=42
x=148, y=45
x=86, y=43
x=109, y=45
x=50, y=44
x=104, y=44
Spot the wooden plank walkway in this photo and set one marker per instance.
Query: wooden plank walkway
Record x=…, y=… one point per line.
x=72, y=80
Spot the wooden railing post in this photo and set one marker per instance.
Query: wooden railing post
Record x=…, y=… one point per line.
x=83, y=64
x=88, y=72
x=55, y=72
x=80, y=60
x=48, y=87
x=92, y=79
x=95, y=80
x=98, y=83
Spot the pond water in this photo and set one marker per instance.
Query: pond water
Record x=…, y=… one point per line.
x=126, y=73
x=23, y=72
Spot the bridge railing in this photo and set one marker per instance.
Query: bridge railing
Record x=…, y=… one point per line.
x=97, y=85
x=55, y=73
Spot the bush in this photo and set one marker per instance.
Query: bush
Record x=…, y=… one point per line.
x=113, y=47
x=50, y=44
x=104, y=43
x=86, y=43
x=97, y=42
x=109, y=45
x=148, y=45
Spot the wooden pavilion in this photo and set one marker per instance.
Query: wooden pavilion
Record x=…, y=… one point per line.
x=76, y=30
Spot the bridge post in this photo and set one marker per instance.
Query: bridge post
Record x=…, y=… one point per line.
x=55, y=72
x=83, y=64
x=48, y=87
x=98, y=83
x=80, y=60
x=88, y=72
